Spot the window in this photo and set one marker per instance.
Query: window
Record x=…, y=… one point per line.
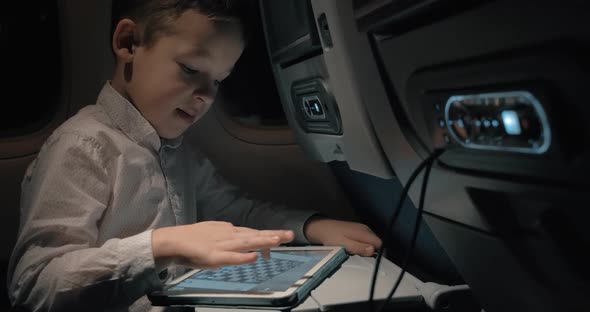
x=31, y=65
x=250, y=91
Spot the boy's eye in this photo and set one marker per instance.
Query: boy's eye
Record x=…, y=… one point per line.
x=188, y=70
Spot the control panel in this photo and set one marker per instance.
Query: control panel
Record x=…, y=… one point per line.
x=503, y=115
x=512, y=121
x=315, y=107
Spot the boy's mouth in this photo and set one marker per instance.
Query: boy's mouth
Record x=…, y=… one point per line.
x=185, y=116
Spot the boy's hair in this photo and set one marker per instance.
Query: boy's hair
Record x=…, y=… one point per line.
x=157, y=16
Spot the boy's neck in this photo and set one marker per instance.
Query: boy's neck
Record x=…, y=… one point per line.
x=118, y=82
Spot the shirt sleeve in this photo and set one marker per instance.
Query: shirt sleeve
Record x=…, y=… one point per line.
x=219, y=200
x=56, y=264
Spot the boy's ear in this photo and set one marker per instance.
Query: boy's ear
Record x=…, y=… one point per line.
x=124, y=40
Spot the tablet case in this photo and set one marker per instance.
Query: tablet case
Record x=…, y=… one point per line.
x=159, y=298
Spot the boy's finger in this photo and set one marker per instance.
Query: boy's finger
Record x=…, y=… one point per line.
x=265, y=253
x=246, y=230
x=357, y=248
x=225, y=258
x=367, y=237
x=285, y=236
x=249, y=243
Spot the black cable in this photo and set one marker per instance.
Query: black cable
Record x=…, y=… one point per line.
x=429, y=160
x=390, y=227
x=429, y=165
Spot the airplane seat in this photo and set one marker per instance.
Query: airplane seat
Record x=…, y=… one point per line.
x=353, y=76
x=325, y=80
x=504, y=93
x=60, y=69
x=378, y=196
x=382, y=84
x=12, y=172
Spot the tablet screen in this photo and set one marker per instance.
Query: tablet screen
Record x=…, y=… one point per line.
x=278, y=273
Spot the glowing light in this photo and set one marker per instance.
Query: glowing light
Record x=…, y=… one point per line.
x=511, y=122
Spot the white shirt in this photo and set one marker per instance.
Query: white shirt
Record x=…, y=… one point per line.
x=90, y=200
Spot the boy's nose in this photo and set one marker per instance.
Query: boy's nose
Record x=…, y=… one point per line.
x=205, y=94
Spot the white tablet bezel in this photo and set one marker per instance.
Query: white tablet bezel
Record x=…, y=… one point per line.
x=262, y=295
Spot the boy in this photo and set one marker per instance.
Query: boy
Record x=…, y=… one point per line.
x=110, y=204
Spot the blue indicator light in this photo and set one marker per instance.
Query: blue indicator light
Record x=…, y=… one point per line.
x=511, y=122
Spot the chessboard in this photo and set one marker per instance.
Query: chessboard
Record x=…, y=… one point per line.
x=253, y=273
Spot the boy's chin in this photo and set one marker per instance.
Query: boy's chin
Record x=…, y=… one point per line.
x=171, y=135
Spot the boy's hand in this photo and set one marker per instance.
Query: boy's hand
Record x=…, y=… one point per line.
x=213, y=244
x=357, y=238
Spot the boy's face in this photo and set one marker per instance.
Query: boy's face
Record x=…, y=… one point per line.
x=174, y=82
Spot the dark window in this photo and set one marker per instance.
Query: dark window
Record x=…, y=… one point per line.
x=251, y=89
x=30, y=65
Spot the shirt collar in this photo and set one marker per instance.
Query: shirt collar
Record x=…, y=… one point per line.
x=172, y=143
x=130, y=120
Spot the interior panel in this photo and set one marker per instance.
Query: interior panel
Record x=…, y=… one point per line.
x=506, y=218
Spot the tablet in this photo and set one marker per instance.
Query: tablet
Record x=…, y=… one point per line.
x=285, y=280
